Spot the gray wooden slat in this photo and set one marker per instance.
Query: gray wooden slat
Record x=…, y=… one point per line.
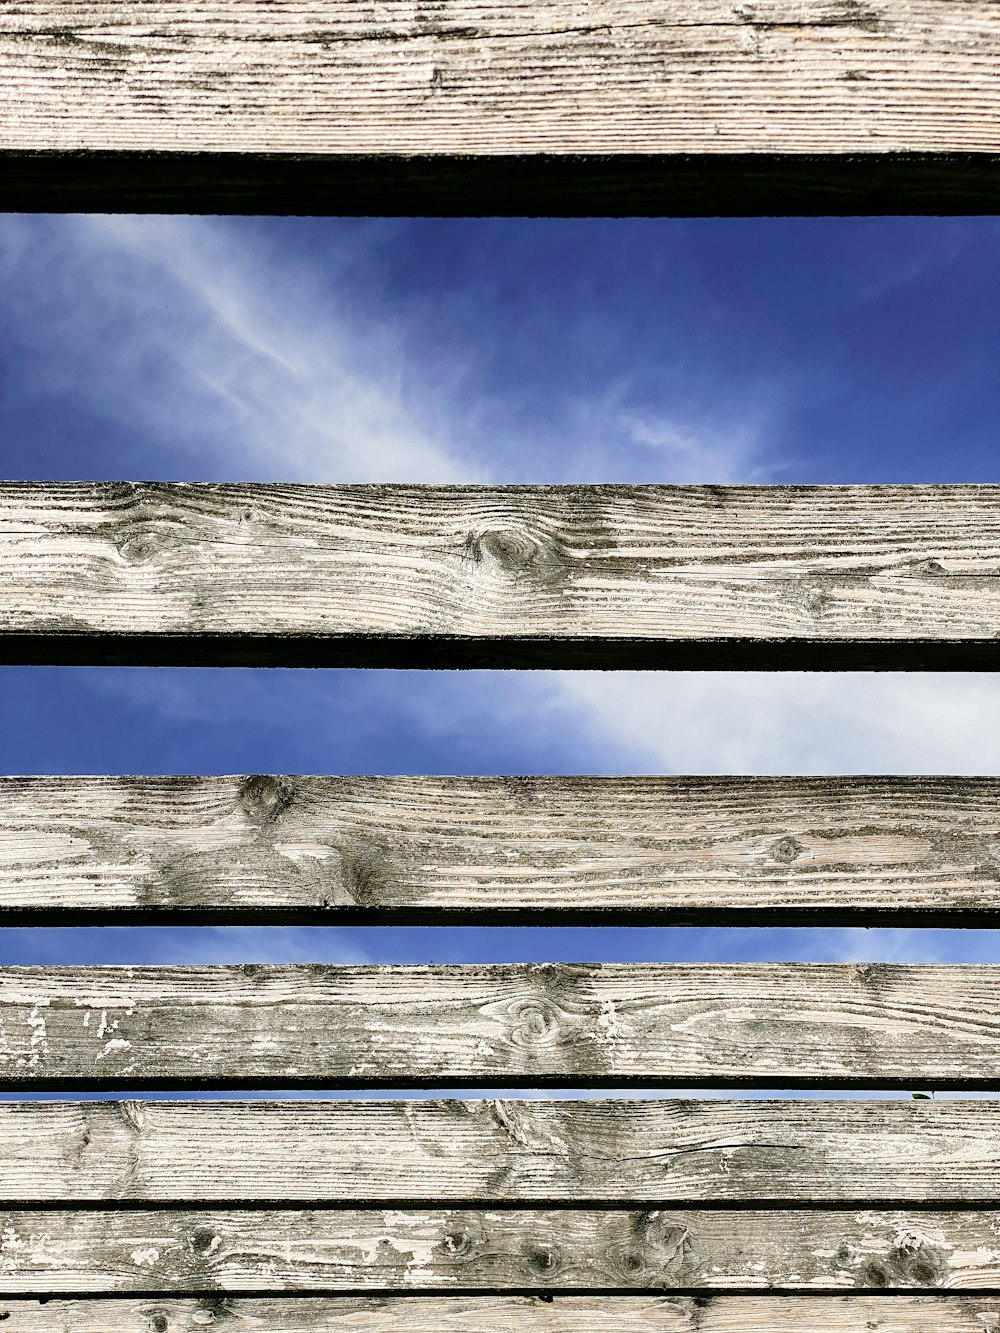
x=518, y=1025
x=394, y=1251
x=520, y=850
x=524, y=576
x=664, y=105
x=502, y=1314
x=581, y=1153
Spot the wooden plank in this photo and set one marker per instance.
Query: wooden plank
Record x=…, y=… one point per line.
x=518, y=851
x=100, y=1251
x=666, y=105
x=393, y=1153
x=502, y=1314
x=524, y=576
x=796, y=1025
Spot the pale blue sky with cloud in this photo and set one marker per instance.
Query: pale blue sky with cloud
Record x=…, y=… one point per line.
x=771, y=350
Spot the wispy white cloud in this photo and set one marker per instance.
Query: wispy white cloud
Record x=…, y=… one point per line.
x=750, y=722
x=199, y=337
x=709, y=455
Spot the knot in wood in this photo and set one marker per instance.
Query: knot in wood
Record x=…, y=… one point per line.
x=133, y=1115
x=204, y=1242
x=631, y=1262
x=138, y=546
x=158, y=1322
x=265, y=798
x=513, y=549
x=671, y=1241
x=543, y=1259
x=875, y=1273
x=786, y=850
x=917, y=1259
x=533, y=1023
x=459, y=1243
x=874, y=976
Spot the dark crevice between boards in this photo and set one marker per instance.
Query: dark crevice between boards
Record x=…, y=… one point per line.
x=172, y=917
x=502, y=185
x=522, y=652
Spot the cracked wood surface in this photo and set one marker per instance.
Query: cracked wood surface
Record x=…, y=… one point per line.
x=289, y=100
x=518, y=850
x=394, y=1153
x=501, y=1314
x=456, y=1250
x=797, y=1025
x=609, y=576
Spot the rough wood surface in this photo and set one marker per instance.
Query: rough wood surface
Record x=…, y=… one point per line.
x=456, y=1250
x=519, y=1025
x=518, y=850
x=570, y=576
x=663, y=80
x=389, y=1153
x=503, y=1314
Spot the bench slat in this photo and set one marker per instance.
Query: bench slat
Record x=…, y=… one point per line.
x=501, y=1314
x=603, y=576
x=450, y=1153
x=270, y=849
x=520, y=1025
x=660, y=106
x=391, y=1251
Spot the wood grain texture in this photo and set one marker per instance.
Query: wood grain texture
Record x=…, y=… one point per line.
x=796, y=1025
x=523, y=576
x=518, y=850
x=44, y=1253
x=503, y=1314
x=845, y=82
x=468, y=1153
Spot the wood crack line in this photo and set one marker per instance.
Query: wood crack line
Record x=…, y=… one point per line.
x=707, y=1147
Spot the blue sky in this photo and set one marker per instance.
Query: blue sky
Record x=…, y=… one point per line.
x=773, y=350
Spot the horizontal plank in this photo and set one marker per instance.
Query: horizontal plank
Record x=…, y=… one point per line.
x=501, y=1314
x=605, y=576
x=873, y=1025
x=100, y=1251
x=337, y=97
x=518, y=851
x=464, y=1153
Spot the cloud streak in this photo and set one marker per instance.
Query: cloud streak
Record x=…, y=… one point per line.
x=190, y=334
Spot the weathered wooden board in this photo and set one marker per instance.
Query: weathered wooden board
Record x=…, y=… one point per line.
x=519, y=850
x=873, y=1025
x=519, y=1024
x=393, y=1153
x=503, y=1314
x=455, y=1250
x=665, y=105
x=523, y=576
